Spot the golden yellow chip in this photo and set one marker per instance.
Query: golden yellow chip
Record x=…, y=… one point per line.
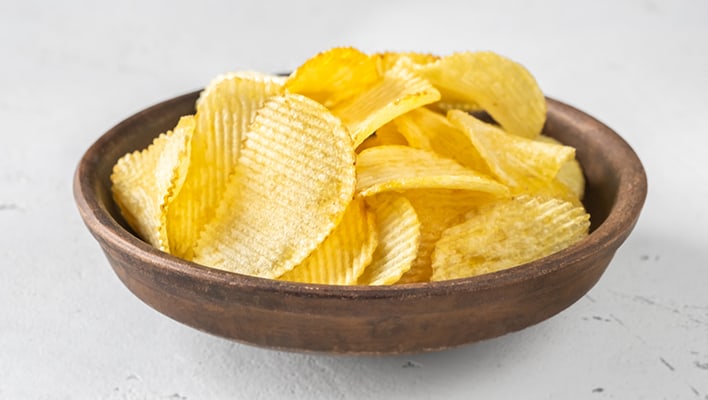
x=507, y=233
x=399, y=91
x=437, y=210
x=224, y=112
x=145, y=182
x=341, y=258
x=334, y=75
x=428, y=130
x=346, y=172
x=570, y=173
x=387, y=60
x=399, y=235
x=292, y=184
x=512, y=159
x=223, y=79
x=386, y=168
x=385, y=135
x=498, y=85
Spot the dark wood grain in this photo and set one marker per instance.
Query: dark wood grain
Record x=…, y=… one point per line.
x=366, y=320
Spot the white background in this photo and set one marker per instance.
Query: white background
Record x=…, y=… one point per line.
x=72, y=69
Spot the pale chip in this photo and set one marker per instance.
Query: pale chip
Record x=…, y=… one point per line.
x=341, y=258
x=225, y=110
x=508, y=233
x=290, y=189
x=437, y=210
x=391, y=167
x=512, y=159
x=570, y=174
x=234, y=76
x=428, y=130
x=496, y=84
x=399, y=235
x=145, y=182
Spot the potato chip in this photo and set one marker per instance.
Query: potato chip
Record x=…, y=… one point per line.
x=570, y=173
x=292, y=184
x=392, y=167
x=387, y=60
x=428, y=130
x=399, y=235
x=399, y=91
x=512, y=159
x=218, y=82
x=145, y=182
x=498, y=85
x=334, y=75
x=437, y=210
x=225, y=110
x=385, y=135
x=507, y=233
x=341, y=258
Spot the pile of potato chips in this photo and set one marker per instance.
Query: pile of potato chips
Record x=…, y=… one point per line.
x=360, y=169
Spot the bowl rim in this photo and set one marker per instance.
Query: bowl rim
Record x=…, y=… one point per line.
x=631, y=194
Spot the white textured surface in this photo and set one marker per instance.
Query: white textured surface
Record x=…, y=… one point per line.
x=72, y=69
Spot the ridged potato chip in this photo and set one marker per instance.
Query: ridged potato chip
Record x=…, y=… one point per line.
x=437, y=210
x=386, y=168
x=360, y=169
x=507, y=233
x=341, y=258
x=145, y=182
x=255, y=76
x=334, y=75
x=290, y=189
x=512, y=159
x=496, y=84
x=570, y=174
x=399, y=236
x=224, y=112
x=387, y=60
x=428, y=130
x=397, y=92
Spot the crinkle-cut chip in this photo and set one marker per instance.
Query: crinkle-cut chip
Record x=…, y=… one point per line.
x=508, y=233
x=145, y=182
x=397, y=168
x=428, y=130
x=399, y=235
x=290, y=189
x=552, y=188
x=388, y=59
x=570, y=173
x=500, y=86
x=224, y=113
x=512, y=159
x=216, y=83
x=334, y=75
x=437, y=210
x=385, y=135
x=341, y=258
x=399, y=91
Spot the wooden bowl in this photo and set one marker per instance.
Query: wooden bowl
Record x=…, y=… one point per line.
x=365, y=320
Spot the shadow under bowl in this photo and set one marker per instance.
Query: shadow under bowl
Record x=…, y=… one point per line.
x=356, y=319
